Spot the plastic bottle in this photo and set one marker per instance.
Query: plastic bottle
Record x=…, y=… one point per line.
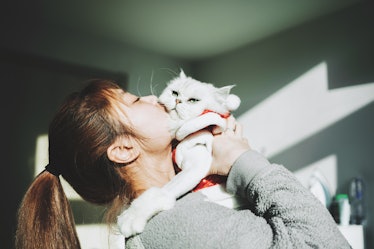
x=356, y=197
x=340, y=209
x=344, y=209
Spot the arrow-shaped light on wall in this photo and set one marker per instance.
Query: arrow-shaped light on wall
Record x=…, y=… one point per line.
x=301, y=109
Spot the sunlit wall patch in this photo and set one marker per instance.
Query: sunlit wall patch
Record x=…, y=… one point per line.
x=301, y=109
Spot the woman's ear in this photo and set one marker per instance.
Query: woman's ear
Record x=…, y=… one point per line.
x=122, y=151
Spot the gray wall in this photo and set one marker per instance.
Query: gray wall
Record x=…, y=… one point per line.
x=343, y=40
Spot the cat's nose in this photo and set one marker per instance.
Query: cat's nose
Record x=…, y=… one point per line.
x=178, y=101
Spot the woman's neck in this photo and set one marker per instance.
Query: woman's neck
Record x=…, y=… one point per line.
x=151, y=171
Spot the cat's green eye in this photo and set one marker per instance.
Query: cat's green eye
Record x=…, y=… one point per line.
x=174, y=93
x=193, y=100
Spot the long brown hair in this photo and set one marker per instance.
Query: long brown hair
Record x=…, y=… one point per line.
x=84, y=127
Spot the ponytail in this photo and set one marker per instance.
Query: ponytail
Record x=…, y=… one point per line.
x=45, y=218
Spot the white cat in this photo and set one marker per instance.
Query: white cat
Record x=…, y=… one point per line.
x=193, y=106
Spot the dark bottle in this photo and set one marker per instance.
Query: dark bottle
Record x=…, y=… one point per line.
x=356, y=198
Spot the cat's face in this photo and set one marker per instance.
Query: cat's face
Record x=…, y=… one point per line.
x=185, y=98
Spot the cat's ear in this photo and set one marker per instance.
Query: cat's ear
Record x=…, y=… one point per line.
x=232, y=101
x=225, y=90
x=182, y=74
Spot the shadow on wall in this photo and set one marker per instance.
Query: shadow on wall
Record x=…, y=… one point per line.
x=31, y=83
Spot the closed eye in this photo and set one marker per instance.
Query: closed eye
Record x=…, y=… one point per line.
x=174, y=93
x=193, y=100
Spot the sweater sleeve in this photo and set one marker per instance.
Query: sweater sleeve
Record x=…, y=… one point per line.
x=296, y=217
x=281, y=214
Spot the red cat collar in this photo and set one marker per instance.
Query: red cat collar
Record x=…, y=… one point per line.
x=225, y=115
x=209, y=181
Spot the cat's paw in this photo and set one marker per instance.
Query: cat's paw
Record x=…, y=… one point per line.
x=134, y=219
x=195, y=124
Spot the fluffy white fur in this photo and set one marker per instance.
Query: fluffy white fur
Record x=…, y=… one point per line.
x=185, y=99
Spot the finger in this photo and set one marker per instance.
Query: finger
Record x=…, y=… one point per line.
x=239, y=129
x=231, y=122
x=217, y=130
x=229, y=131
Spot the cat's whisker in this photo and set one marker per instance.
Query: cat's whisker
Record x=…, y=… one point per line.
x=153, y=90
x=137, y=87
x=153, y=87
x=151, y=82
x=170, y=71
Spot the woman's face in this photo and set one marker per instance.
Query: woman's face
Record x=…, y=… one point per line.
x=149, y=119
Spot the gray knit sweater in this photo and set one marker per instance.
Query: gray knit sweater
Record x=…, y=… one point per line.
x=281, y=214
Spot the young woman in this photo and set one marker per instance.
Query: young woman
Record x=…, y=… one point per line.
x=111, y=146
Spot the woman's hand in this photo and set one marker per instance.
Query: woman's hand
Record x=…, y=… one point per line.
x=227, y=147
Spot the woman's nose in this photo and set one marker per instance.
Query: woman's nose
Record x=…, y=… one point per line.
x=152, y=99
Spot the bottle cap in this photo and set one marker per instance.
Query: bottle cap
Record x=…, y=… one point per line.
x=341, y=196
